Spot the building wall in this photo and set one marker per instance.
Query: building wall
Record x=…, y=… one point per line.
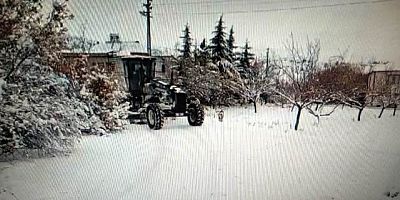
x=112, y=65
x=384, y=81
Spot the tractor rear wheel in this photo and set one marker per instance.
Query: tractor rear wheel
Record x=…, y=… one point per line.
x=155, y=117
x=195, y=114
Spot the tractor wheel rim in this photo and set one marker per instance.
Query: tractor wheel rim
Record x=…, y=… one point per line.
x=192, y=116
x=151, y=117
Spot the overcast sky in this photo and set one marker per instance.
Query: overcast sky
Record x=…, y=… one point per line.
x=366, y=28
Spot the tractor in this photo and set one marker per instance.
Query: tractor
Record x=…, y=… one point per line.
x=154, y=99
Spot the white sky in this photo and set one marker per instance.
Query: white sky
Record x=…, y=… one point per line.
x=366, y=28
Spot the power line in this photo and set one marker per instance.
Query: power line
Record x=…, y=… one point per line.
x=281, y=9
x=226, y=2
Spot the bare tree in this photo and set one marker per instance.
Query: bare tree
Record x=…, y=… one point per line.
x=354, y=91
x=295, y=82
x=343, y=83
x=386, y=94
x=81, y=43
x=259, y=79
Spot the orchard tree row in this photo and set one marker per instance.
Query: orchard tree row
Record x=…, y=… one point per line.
x=219, y=76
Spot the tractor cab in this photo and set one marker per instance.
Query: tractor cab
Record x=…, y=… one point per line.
x=139, y=70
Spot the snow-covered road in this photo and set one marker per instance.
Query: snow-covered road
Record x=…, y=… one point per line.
x=247, y=156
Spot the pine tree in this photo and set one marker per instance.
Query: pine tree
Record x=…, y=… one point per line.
x=187, y=43
x=246, y=56
x=231, y=46
x=203, y=45
x=196, y=52
x=218, y=45
x=204, y=53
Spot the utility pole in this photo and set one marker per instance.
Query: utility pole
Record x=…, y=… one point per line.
x=267, y=60
x=147, y=14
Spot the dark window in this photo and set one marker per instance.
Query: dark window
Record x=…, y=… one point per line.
x=137, y=67
x=163, y=68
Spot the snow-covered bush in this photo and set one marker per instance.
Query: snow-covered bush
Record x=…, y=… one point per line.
x=101, y=90
x=40, y=110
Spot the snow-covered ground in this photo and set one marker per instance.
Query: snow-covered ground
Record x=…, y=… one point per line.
x=247, y=156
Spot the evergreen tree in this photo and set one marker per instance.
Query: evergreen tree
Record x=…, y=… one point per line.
x=196, y=52
x=218, y=45
x=187, y=43
x=203, y=45
x=204, y=53
x=246, y=56
x=231, y=46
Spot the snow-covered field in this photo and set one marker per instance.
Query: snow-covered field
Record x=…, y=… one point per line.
x=247, y=156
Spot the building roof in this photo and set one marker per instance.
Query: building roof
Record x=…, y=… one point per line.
x=121, y=49
x=382, y=67
x=131, y=47
x=396, y=71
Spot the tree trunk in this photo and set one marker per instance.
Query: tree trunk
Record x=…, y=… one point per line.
x=296, y=126
x=172, y=78
x=316, y=107
x=15, y=67
x=359, y=113
x=394, y=110
x=342, y=106
x=380, y=114
x=255, y=106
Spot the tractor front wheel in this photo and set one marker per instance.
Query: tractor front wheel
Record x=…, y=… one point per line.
x=155, y=117
x=195, y=114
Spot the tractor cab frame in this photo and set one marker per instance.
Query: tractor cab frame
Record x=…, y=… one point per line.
x=153, y=99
